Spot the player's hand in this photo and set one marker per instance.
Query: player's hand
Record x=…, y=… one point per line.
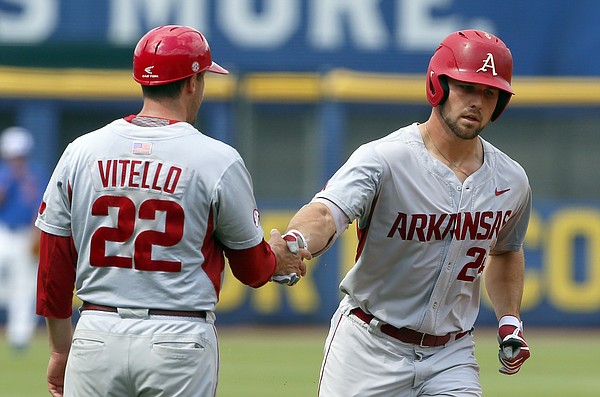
x=295, y=241
x=290, y=249
x=513, y=349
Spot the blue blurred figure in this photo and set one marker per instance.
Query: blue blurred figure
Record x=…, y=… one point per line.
x=21, y=189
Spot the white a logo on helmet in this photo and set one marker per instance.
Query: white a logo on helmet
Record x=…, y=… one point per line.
x=488, y=63
x=195, y=66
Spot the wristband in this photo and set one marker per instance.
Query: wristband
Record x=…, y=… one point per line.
x=510, y=320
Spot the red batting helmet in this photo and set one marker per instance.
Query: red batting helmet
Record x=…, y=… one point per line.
x=471, y=56
x=170, y=53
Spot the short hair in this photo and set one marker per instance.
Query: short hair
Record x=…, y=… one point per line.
x=164, y=91
x=167, y=91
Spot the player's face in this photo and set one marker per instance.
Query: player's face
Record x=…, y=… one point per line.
x=469, y=108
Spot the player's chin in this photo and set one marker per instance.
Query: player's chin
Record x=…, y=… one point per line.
x=470, y=131
x=474, y=125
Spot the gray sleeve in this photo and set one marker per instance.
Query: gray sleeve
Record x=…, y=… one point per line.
x=55, y=214
x=512, y=235
x=237, y=223
x=355, y=185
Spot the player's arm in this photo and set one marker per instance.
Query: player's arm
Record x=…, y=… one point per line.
x=504, y=276
x=320, y=222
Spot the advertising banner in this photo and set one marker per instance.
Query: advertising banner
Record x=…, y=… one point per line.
x=550, y=37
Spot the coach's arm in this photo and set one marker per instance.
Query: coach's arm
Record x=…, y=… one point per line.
x=59, y=335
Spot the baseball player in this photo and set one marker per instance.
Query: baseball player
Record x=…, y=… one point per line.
x=21, y=188
x=438, y=209
x=137, y=217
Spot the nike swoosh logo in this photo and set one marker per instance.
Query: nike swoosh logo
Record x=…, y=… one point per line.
x=499, y=192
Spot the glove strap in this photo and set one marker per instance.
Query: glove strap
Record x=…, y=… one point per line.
x=300, y=240
x=510, y=320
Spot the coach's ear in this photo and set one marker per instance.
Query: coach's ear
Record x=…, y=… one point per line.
x=190, y=85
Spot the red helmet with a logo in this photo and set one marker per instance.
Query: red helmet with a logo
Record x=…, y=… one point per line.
x=471, y=56
x=170, y=53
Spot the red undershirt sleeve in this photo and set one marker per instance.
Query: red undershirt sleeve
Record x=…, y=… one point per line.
x=56, y=276
x=252, y=266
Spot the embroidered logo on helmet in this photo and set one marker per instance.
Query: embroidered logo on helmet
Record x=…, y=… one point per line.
x=195, y=67
x=488, y=63
x=149, y=74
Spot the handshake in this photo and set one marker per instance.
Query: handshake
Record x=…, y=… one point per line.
x=298, y=251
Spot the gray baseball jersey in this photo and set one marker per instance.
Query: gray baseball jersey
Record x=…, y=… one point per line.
x=146, y=207
x=423, y=235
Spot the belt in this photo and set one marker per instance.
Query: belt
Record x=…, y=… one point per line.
x=153, y=312
x=408, y=335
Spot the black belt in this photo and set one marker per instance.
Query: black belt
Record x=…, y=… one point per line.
x=153, y=312
x=408, y=335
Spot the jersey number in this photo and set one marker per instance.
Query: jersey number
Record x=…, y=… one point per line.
x=479, y=254
x=126, y=219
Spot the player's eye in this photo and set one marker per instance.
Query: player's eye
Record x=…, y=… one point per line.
x=491, y=93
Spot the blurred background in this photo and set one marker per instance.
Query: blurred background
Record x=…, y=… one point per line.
x=310, y=81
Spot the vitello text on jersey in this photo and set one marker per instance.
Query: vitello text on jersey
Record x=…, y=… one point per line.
x=150, y=175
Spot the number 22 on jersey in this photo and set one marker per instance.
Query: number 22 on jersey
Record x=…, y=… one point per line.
x=127, y=216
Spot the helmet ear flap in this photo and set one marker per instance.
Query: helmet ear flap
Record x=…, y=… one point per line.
x=503, y=99
x=437, y=89
x=445, y=89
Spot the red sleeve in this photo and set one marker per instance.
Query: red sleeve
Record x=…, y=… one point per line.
x=253, y=266
x=56, y=276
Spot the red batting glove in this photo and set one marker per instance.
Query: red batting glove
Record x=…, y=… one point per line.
x=513, y=349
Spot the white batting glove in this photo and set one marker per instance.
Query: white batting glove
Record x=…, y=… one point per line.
x=513, y=349
x=286, y=279
x=295, y=241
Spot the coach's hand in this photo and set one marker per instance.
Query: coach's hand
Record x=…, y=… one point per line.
x=56, y=373
x=513, y=349
x=290, y=251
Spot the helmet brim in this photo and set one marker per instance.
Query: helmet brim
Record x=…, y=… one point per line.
x=216, y=68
